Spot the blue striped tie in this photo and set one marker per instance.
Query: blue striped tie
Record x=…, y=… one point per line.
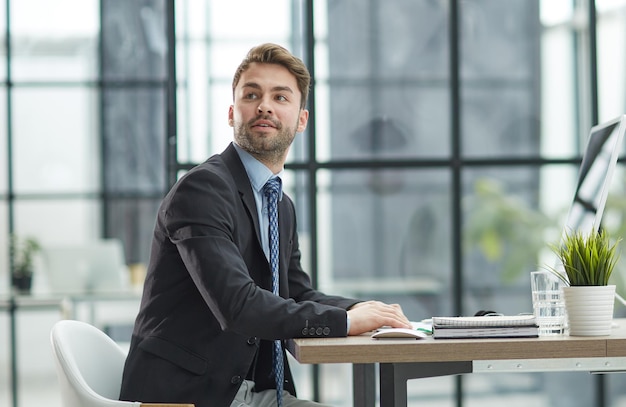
x=271, y=190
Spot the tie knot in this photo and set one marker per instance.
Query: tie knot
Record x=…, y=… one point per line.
x=272, y=187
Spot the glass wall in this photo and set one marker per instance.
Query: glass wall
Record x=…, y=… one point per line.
x=84, y=110
x=439, y=162
x=445, y=148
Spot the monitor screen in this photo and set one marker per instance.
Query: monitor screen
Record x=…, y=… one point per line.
x=97, y=266
x=594, y=177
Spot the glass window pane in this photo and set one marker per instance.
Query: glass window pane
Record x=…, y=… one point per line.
x=4, y=151
x=79, y=219
x=296, y=185
x=4, y=249
x=132, y=221
x=384, y=91
x=499, y=121
x=203, y=121
x=511, y=217
x=190, y=18
x=134, y=140
x=134, y=41
x=225, y=57
x=499, y=41
x=248, y=15
x=561, y=134
x=376, y=225
x=411, y=122
x=56, y=144
x=614, y=222
x=220, y=133
x=3, y=51
x=416, y=44
x=58, y=42
x=611, y=26
x=499, y=76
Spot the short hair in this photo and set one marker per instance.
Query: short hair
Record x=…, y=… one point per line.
x=275, y=54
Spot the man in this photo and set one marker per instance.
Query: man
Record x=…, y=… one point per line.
x=209, y=328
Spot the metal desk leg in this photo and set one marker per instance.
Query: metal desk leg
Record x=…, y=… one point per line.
x=364, y=384
x=393, y=378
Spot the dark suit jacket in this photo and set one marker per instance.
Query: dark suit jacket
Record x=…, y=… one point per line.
x=207, y=315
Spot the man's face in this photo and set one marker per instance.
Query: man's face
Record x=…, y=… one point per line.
x=266, y=112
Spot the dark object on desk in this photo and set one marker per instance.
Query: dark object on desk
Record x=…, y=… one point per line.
x=483, y=313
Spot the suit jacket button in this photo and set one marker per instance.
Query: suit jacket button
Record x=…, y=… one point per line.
x=251, y=340
x=319, y=331
x=235, y=380
x=311, y=331
x=305, y=332
x=326, y=331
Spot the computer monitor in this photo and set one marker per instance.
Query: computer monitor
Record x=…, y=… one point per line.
x=594, y=178
x=91, y=267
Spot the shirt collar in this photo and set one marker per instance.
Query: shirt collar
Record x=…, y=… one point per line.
x=257, y=172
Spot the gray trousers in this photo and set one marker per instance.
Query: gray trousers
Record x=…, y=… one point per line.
x=247, y=398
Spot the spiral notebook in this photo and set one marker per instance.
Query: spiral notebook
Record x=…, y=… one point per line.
x=485, y=321
x=497, y=326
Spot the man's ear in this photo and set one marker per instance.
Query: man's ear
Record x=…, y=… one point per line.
x=302, y=120
x=231, y=120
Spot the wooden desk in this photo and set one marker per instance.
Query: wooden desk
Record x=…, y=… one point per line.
x=403, y=359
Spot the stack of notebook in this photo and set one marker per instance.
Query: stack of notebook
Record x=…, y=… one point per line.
x=518, y=326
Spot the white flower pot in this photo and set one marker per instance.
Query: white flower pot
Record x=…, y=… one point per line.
x=589, y=309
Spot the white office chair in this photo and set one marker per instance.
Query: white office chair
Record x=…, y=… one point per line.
x=90, y=365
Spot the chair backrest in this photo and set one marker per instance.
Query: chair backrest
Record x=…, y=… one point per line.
x=89, y=365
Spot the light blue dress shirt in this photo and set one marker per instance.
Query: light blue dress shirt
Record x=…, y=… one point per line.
x=259, y=174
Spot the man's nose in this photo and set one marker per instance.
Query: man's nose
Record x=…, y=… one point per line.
x=265, y=106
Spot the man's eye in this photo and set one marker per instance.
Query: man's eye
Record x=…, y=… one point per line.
x=251, y=96
x=281, y=98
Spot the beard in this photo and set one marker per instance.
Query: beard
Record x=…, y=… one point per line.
x=265, y=147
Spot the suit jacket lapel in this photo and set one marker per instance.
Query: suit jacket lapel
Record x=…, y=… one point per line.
x=238, y=171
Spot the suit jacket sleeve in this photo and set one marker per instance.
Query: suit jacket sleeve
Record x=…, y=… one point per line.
x=212, y=228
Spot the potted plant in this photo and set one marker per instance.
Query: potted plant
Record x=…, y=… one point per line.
x=588, y=261
x=23, y=253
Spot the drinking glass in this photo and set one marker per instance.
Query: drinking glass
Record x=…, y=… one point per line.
x=548, y=302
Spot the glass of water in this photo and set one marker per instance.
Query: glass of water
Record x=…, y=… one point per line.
x=548, y=302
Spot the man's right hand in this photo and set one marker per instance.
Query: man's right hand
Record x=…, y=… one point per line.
x=370, y=315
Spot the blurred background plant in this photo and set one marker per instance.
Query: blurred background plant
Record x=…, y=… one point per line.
x=614, y=221
x=511, y=233
x=504, y=229
x=23, y=252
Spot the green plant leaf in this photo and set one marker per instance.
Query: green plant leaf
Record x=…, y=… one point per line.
x=587, y=259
